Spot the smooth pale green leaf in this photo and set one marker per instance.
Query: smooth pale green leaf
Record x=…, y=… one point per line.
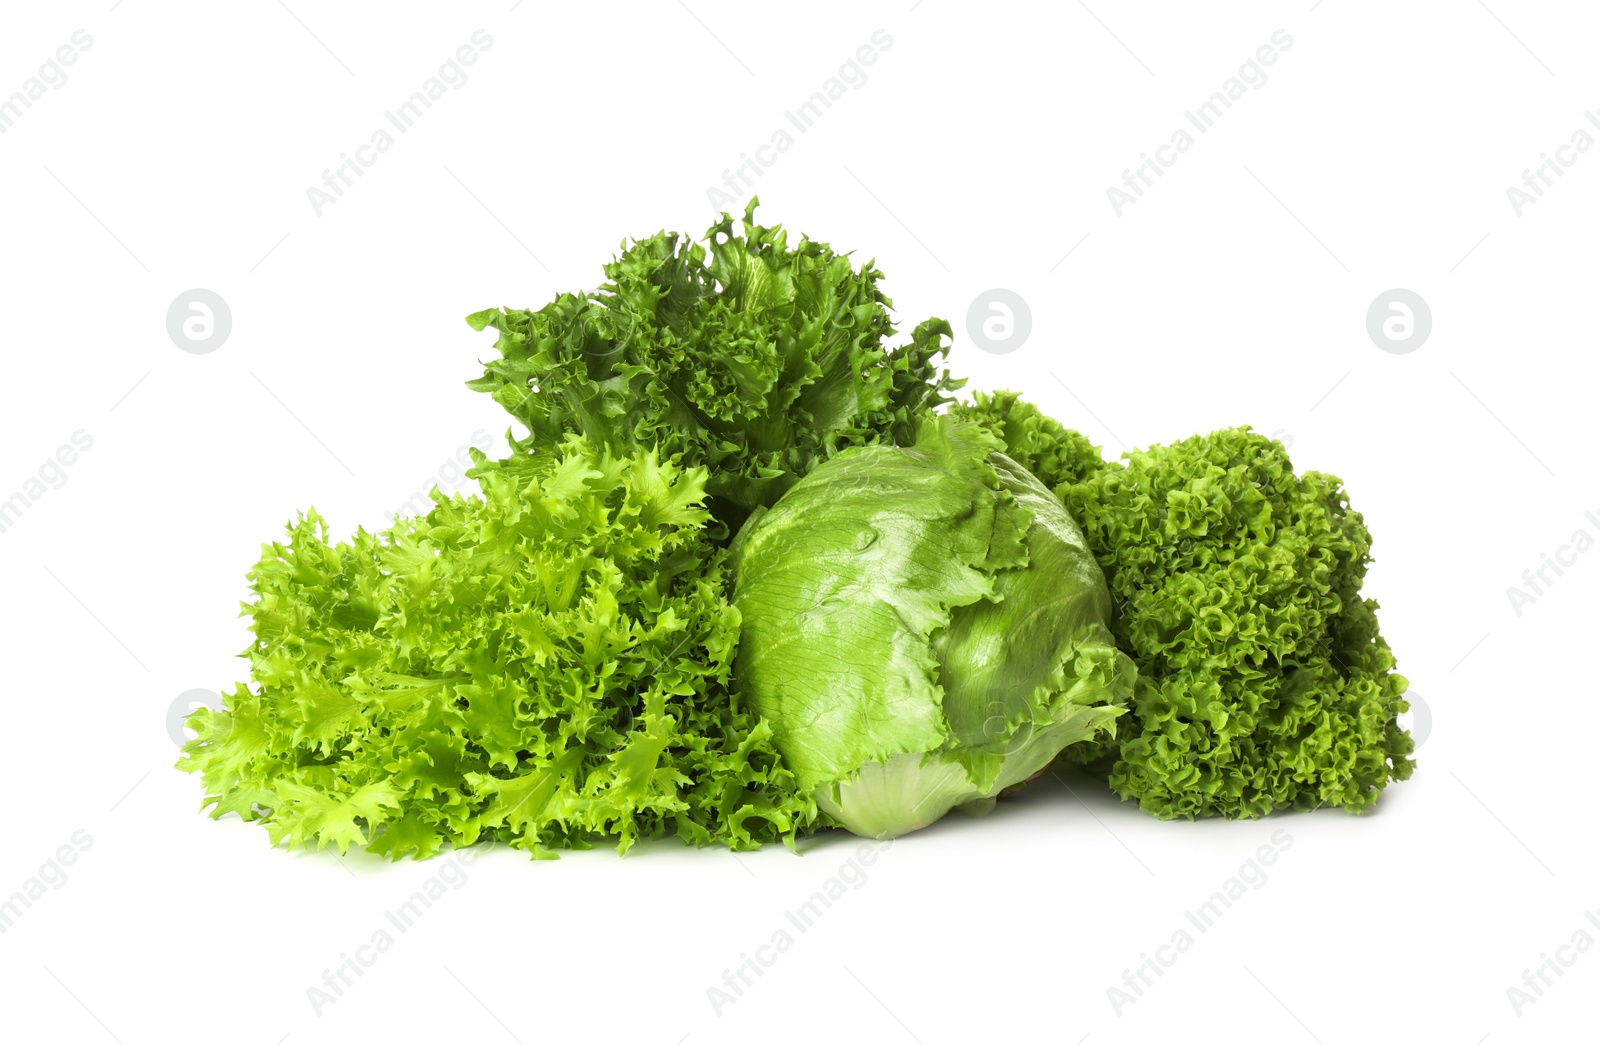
x=919, y=626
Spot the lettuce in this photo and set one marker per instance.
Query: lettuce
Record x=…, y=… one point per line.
x=751, y=572
x=748, y=356
x=924, y=627
x=1053, y=453
x=1264, y=681
x=545, y=665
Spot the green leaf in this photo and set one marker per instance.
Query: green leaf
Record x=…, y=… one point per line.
x=546, y=663
x=745, y=354
x=923, y=627
x=1264, y=681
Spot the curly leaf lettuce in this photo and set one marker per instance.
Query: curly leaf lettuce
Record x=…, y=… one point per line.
x=1053, y=453
x=545, y=665
x=1264, y=682
x=924, y=627
x=747, y=355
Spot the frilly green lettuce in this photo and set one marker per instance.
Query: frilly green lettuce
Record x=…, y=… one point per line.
x=1053, y=453
x=1264, y=682
x=545, y=665
x=746, y=355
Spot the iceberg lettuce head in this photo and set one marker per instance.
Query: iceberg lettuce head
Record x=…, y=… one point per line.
x=924, y=627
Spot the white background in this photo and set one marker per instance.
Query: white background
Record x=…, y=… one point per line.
x=976, y=155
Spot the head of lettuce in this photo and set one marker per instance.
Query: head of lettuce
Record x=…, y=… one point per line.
x=924, y=627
